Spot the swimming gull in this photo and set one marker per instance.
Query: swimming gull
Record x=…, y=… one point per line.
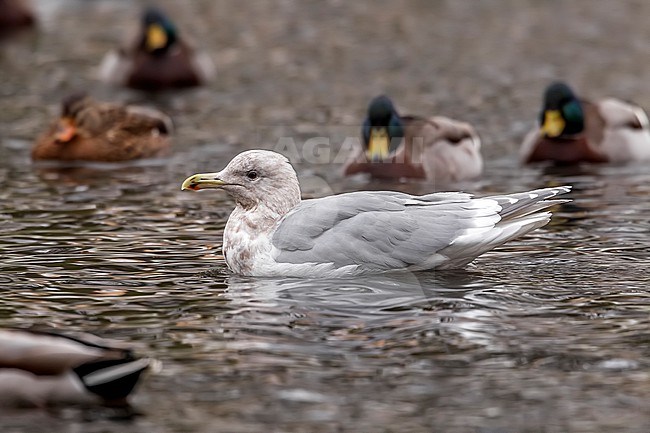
x=272, y=232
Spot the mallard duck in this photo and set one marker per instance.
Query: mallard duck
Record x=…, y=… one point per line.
x=272, y=232
x=98, y=131
x=159, y=58
x=435, y=148
x=42, y=369
x=15, y=14
x=573, y=130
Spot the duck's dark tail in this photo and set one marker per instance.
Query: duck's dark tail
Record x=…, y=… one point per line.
x=114, y=379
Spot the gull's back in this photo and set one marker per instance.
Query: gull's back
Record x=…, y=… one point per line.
x=366, y=232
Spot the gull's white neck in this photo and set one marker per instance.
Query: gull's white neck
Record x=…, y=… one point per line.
x=248, y=232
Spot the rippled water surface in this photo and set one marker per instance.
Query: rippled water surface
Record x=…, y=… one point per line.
x=550, y=333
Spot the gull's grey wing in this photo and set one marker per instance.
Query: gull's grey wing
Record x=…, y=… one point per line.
x=521, y=204
x=379, y=230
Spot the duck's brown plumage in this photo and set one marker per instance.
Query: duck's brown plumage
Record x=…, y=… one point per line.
x=141, y=64
x=572, y=150
x=15, y=14
x=97, y=131
x=436, y=148
x=610, y=130
x=175, y=69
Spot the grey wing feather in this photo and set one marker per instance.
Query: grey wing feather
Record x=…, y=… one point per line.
x=378, y=230
x=525, y=203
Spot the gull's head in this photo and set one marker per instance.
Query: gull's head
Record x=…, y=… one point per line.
x=252, y=178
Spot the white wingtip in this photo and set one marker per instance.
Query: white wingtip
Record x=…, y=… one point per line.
x=109, y=374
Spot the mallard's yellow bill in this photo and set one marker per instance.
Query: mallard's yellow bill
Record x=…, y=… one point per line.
x=156, y=37
x=553, y=123
x=378, y=145
x=202, y=181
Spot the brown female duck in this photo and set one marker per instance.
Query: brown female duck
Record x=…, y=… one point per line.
x=159, y=58
x=395, y=147
x=573, y=130
x=97, y=131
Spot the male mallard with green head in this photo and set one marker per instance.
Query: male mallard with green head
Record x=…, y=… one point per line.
x=573, y=130
x=88, y=130
x=396, y=147
x=159, y=58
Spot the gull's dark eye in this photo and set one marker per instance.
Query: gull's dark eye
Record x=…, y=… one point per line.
x=251, y=174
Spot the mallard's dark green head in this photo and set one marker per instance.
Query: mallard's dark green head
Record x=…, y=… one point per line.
x=159, y=31
x=562, y=114
x=383, y=130
x=380, y=110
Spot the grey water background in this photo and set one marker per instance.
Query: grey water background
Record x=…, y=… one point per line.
x=550, y=333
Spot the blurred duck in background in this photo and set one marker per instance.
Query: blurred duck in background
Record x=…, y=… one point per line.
x=159, y=58
x=39, y=369
x=89, y=130
x=573, y=130
x=14, y=15
x=397, y=147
